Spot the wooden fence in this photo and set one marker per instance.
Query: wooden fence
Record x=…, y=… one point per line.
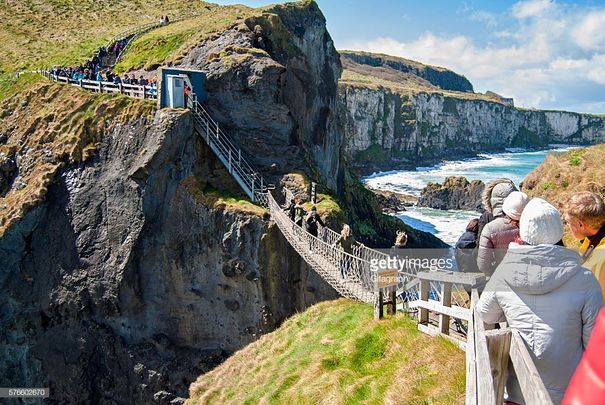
x=132, y=90
x=444, y=306
x=490, y=354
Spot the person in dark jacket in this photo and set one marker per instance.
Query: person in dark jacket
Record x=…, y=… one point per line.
x=465, y=252
x=312, y=220
x=291, y=209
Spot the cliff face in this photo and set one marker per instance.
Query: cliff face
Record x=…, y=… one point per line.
x=272, y=82
x=124, y=285
x=387, y=129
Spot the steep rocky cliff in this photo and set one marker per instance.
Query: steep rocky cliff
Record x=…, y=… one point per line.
x=272, y=83
x=129, y=264
x=125, y=283
x=392, y=121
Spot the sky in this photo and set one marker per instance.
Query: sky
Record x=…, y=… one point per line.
x=546, y=54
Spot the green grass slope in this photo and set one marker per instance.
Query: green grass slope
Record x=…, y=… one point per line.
x=172, y=42
x=564, y=173
x=335, y=353
x=38, y=33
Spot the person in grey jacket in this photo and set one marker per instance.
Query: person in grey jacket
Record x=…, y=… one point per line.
x=497, y=234
x=542, y=291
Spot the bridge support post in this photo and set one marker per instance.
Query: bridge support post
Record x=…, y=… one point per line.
x=392, y=303
x=378, y=303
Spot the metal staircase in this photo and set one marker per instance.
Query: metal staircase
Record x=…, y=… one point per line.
x=251, y=182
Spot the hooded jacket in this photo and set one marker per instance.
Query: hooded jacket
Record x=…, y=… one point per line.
x=495, y=233
x=544, y=293
x=493, y=243
x=492, y=199
x=465, y=252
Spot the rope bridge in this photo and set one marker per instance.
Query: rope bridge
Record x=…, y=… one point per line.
x=349, y=274
x=489, y=353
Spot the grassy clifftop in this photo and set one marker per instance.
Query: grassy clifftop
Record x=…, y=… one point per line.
x=39, y=33
x=172, y=42
x=561, y=174
x=404, y=76
x=335, y=353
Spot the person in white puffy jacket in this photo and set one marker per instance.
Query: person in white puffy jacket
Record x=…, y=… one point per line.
x=542, y=291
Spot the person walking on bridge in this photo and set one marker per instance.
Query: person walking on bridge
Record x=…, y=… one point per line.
x=299, y=213
x=291, y=209
x=312, y=220
x=346, y=241
x=542, y=291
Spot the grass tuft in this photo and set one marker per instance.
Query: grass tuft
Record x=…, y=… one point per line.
x=335, y=352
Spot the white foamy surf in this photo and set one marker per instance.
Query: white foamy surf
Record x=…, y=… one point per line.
x=449, y=225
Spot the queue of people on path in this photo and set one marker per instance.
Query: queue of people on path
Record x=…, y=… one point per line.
x=550, y=293
x=94, y=69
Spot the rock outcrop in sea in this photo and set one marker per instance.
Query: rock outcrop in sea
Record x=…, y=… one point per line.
x=456, y=193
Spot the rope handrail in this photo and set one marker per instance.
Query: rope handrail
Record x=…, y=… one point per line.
x=346, y=273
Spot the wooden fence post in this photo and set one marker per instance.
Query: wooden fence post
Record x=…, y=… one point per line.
x=423, y=313
x=392, y=303
x=446, y=301
x=498, y=346
x=378, y=302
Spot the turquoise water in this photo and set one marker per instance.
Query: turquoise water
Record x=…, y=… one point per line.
x=449, y=225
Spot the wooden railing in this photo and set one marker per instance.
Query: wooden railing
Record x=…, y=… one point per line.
x=490, y=352
x=132, y=90
x=436, y=289
x=489, y=355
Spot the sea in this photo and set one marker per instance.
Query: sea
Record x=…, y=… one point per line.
x=448, y=225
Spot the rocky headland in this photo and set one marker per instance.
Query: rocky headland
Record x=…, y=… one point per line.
x=400, y=114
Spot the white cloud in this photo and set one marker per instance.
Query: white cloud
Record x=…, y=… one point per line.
x=489, y=19
x=590, y=32
x=530, y=8
x=550, y=56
